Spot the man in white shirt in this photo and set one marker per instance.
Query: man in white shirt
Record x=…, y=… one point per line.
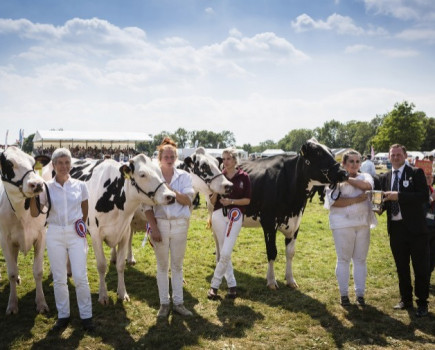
x=368, y=167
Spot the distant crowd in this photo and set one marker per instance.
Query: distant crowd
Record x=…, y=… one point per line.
x=118, y=154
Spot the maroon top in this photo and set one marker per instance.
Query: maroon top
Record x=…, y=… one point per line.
x=241, y=189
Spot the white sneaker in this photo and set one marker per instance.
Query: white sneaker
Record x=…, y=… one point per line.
x=163, y=311
x=180, y=308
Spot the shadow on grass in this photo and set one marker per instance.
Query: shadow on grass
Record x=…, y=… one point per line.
x=369, y=326
x=19, y=326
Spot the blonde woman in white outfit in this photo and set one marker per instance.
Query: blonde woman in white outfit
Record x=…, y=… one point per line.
x=169, y=225
x=68, y=210
x=350, y=219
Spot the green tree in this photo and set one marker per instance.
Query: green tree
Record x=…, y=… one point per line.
x=295, y=139
x=332, y=134
x=429, y=140
x=28, y=144
x=403, y=126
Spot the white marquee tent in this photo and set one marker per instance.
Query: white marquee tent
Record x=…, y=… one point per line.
x=65, y=138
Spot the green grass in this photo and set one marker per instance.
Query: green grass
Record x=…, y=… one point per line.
x=307, y=318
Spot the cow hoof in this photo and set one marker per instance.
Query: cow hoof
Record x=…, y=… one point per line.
x=69, y=274
x=12, y=310
x=103, y=300
x=292, y=285
x=124, y=298
x=42, y=308
x=131, y=262
x=273, y=286
x=18, y=280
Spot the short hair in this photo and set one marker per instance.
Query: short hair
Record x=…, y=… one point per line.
x=397, y=145
x=349, y=153
x=59, y=153
x=167, y=143
x=232, y=152
x=368, y=156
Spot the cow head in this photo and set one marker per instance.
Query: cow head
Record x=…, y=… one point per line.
x=320, y=164
x=206, y=174
x=17, y=170
x=146, y=177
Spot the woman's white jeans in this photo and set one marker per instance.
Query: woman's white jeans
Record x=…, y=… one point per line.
x=225, y=241
x=174, y=239
x=351, y=243
x=63, y=242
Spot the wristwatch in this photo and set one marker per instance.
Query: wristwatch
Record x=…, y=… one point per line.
x=232, y=201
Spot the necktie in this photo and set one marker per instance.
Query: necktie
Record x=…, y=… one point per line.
x=395, y=204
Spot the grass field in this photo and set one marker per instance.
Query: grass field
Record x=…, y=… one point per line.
x=307, y=318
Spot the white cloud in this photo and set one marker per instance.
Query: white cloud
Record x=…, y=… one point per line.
x=357, y=48
x=209, y=11
x=403, y=9
x=399, y=53
x=335, y=22
x=418, y=34
x=236, y=33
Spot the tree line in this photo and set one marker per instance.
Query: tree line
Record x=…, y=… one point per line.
x=401, y=125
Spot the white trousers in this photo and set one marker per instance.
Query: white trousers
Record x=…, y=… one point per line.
x=174, y=239
x=225, y=241
x=63, y=242
x=352, y=243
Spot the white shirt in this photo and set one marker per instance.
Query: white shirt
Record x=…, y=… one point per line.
x=359, y=214
x=66, y=201
x=368, y=167
x=180, y=182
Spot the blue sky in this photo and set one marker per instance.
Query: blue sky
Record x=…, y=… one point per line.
x=256, y=68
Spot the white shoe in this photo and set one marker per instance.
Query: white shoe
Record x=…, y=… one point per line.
x=163, y=311
x=180, y=309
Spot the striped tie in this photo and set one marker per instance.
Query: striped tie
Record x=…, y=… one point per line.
x=395, y=204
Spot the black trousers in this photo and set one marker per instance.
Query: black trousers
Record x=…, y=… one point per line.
x=407, y=247
x=432, y=250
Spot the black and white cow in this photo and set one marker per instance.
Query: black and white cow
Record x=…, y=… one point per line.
x=115, y=192
x=207, y=178
x=19, y=230
x=280, y=188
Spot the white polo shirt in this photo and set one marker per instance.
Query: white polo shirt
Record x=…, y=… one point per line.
x=65, y=201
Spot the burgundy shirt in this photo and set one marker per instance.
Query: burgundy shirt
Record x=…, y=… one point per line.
x=241, y=189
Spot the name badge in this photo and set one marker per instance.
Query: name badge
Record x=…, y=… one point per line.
x=405, y=183
x=430, y=216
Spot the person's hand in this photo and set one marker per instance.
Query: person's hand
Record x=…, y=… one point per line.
x=391, y=196
x=156, y=235
x=225, y=201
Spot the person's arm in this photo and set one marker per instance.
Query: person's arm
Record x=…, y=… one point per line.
x=152, y=221
x=182, y=198
x=85, y=210
x=213, y=198
x=363, y=185
x=345, y=202
x=241, y=201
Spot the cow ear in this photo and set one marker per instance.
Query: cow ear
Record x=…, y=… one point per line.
x=188, y=161
x=125, y=171
x=220, y=160
x=132, y=166
x=42, y=159
x=304, y=149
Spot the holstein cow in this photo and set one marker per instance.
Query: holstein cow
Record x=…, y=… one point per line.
x=280, y=188
x=115, y=192
x=207, y=178
x=19, y=230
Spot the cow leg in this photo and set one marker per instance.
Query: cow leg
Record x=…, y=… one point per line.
x=11, y=254
x=290, y=245
x=270, y=239
x=97, y=243
x=38, y=262
x=130, y=256
x=120, y=267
